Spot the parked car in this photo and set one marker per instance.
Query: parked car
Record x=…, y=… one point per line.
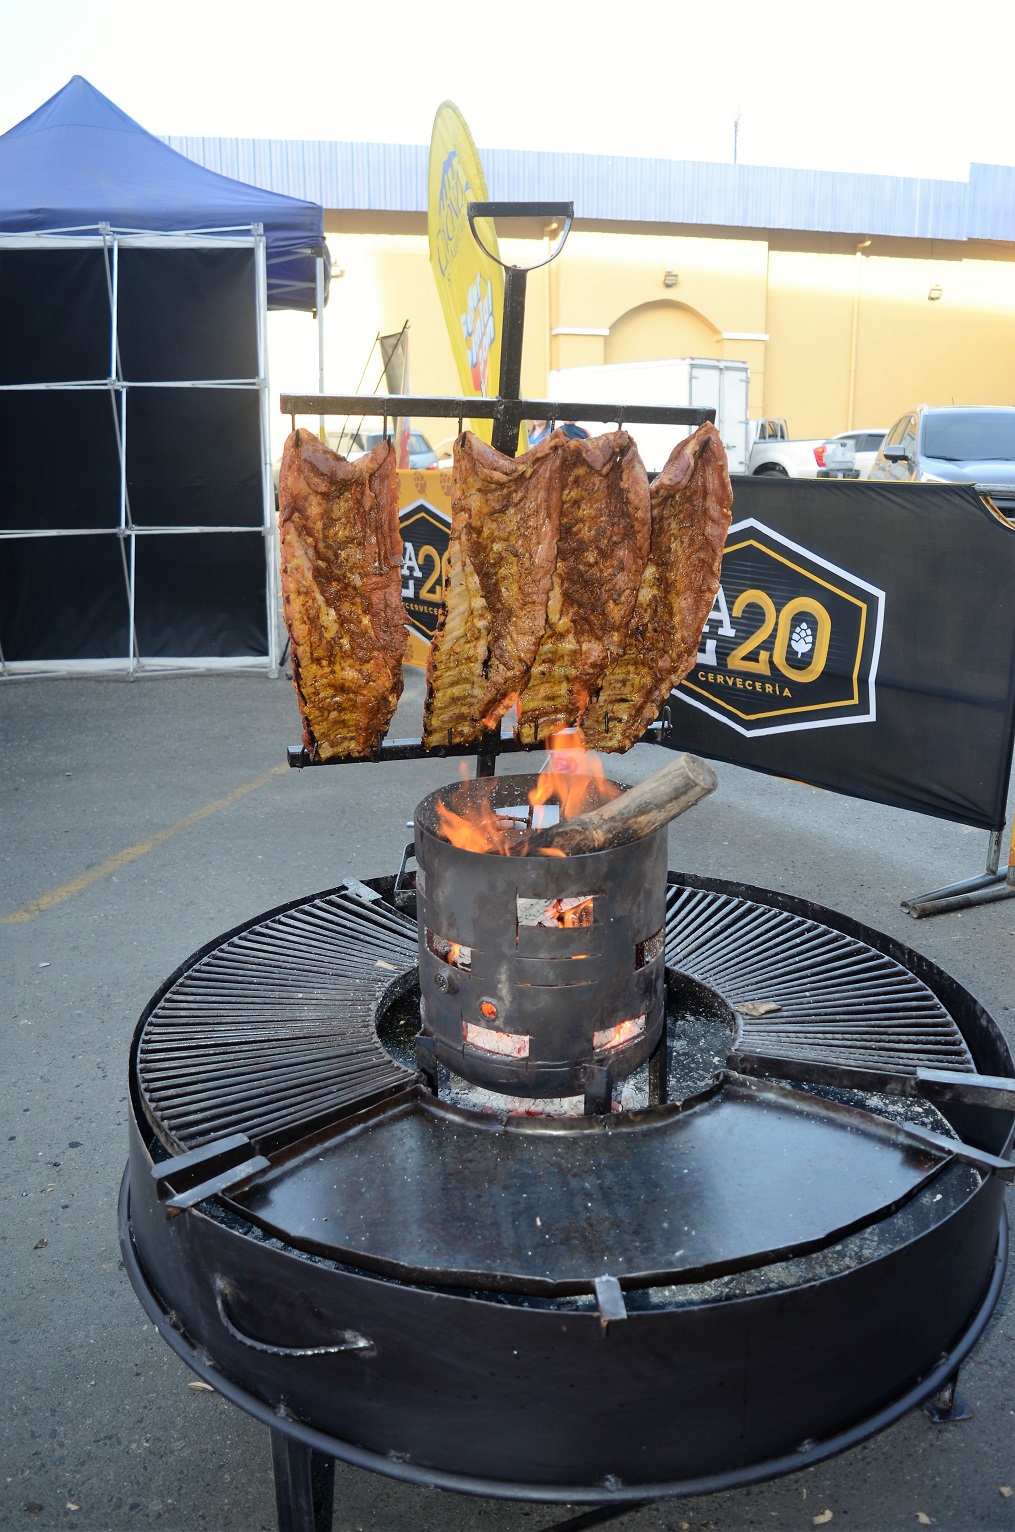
x=353, y=444
x=774, y=452
x=952, y=444
x=850, y=455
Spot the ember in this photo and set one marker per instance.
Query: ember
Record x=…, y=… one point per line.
x=568, y=912
x=616, y=1037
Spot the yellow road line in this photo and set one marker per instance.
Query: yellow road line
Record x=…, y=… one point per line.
x=122, y=858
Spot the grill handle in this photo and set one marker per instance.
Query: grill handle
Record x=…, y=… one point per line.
x=348, y=1340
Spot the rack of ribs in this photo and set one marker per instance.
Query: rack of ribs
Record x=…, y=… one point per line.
x=691, y=500
x=505, y=519
x=342, y=593
x=605, y=524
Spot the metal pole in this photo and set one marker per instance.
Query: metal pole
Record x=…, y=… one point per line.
x=319, y=309
x=505, y=430
x=271, y=575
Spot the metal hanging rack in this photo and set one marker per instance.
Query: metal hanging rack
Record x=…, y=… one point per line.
x=507, y=410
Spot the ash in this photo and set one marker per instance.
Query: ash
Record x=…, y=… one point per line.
x=699, y=1032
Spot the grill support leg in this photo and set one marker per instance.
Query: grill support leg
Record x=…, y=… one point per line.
x=304, y=1486
x=599, y=1090
x=947, y=1406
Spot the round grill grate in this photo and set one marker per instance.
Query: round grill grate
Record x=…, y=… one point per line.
x=273, y=1027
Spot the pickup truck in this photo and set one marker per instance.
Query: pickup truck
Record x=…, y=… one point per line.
x=774, y=452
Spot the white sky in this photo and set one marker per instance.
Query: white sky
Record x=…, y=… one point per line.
x=901, y=89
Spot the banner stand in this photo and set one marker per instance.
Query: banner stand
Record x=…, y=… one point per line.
x=986, y=888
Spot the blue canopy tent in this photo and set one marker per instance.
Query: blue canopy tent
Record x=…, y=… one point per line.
x=134, y=286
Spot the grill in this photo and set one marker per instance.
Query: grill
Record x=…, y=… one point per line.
x=356, y=1207
x=459, y=1292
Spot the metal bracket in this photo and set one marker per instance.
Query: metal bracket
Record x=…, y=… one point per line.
x=610, y=1298
x=224, y=1165
x=404, y=892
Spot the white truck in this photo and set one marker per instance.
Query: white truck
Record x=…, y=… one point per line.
x=773, y=452
x=697, y=382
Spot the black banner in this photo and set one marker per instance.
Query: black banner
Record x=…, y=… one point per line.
x=863, y=640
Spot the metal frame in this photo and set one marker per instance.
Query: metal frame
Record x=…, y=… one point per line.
x=110, y=241
x=985, y=888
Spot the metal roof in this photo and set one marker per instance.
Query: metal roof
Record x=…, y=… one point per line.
x=393, y=178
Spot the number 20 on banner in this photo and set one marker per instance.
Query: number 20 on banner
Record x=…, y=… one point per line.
x=803, y=625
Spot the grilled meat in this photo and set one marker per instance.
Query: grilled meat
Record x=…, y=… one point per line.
x=691, y=502
x=342, y=592
x=603, y=545
x=505, y=514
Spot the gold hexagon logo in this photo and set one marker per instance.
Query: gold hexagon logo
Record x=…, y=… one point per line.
x=792, y=641
x=425, y=532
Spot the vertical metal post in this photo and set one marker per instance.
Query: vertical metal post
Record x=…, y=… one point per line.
x=505, y=430
x=271, y=573
x=132, y=578
x=319, y=308
x=504, y=437
x=994, y=850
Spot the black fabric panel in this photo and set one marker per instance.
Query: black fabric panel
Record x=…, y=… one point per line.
x=62, y=598
x=55, y=323
x=186, y=314
x=200, y=596
x=61, y=466
x=941, y=742
x=193, y=457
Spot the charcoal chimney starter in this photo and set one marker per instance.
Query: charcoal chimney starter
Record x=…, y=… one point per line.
x=538, y=974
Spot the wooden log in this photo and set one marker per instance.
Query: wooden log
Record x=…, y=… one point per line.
x=643, y=808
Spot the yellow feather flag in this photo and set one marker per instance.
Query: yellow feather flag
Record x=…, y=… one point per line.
x=470, y=284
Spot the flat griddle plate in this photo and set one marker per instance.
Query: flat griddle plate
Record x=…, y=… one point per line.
x=430, y=1193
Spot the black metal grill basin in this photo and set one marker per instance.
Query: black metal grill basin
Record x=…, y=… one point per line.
x=817, y=1276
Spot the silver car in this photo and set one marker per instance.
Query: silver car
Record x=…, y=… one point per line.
x=850, y=455
x=952, y=444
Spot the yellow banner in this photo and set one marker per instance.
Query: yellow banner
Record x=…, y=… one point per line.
x=470, y=284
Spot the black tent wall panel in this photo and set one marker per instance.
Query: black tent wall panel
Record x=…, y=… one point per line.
x=54, y=315
x=61, y=464
x=186, y=314
x=62, y=596
x=193, y=457
x=179, y=583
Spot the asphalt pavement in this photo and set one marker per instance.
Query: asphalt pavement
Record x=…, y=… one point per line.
x=142, y=818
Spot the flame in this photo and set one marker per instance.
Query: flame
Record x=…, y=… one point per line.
x=484, y=832
x=573, y=778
